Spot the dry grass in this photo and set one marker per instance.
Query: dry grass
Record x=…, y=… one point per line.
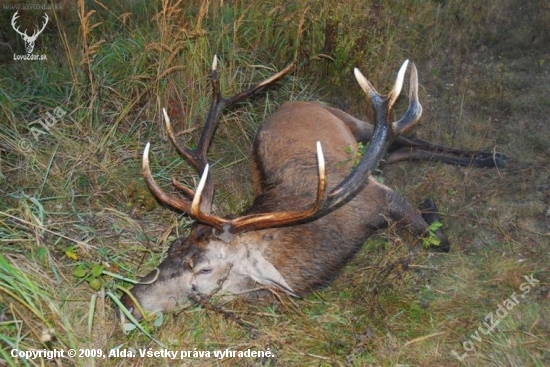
x=73, y=198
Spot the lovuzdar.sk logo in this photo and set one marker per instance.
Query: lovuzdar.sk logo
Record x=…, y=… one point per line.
x=29, y=40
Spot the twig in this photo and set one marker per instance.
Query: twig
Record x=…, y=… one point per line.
x=203, y=300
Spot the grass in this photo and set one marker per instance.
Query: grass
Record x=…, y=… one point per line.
x=74, y=211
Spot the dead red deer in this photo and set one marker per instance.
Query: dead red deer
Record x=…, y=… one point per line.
x=310, y=214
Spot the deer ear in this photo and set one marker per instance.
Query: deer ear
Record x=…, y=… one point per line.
x=264, y=273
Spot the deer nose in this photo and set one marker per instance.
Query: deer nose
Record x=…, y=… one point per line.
x=130, y=306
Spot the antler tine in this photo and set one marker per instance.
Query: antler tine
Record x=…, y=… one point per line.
x=176, y=203
x=189, y=194
x=396, y=90
x=260, y=86
x=214, y=114
x=414, y=111
x=196, y=210
x=365, y=84
x=195, y=204
x=189, y=155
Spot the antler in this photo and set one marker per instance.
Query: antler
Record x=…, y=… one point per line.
x=16, y=28
x=384, y=132
x=198, y=157
x=24, y=34
x=228, y=227
x=35, y=34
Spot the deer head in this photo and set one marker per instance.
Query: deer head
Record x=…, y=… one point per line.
x=29, y=40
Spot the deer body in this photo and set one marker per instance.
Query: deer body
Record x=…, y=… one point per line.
x=283, y=242
x=285, y=171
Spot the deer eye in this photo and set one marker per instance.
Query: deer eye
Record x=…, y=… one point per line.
x=205, y=271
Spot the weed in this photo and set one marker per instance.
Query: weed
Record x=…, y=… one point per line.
x=431, y=239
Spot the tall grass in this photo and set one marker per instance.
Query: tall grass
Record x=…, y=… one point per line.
x=75, y=216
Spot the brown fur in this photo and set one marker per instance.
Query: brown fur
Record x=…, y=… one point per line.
x=285, y=171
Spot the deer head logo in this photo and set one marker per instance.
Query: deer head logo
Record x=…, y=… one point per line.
x=29, y=40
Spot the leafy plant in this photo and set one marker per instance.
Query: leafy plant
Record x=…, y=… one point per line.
x=355, y=154
x=431, y=239
x=91, y=273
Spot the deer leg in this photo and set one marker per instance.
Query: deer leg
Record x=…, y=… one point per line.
x=419, y=221
x=404, y=149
